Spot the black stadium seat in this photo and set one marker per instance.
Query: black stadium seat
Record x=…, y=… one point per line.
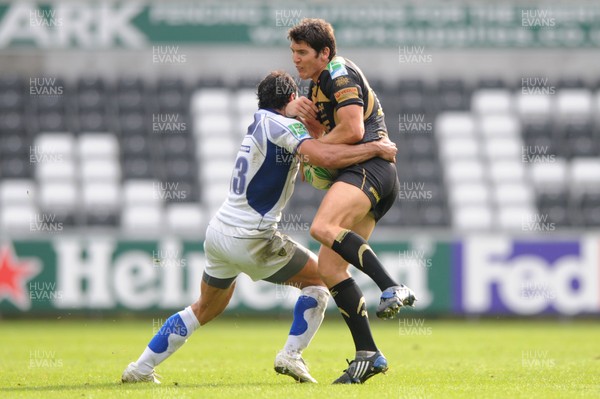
x=135, y=145
x=15, y=144
x=52, y=121
x=491, y=83
x=94, y=120
x=134, y=122
x=452, y=95
x=138, y=168
x=12, y=121
x=15, y=167
x=571, y=82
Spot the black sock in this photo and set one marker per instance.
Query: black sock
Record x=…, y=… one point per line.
x=351, y=303
x=355, y=250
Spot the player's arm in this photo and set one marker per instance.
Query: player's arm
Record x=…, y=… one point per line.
x=337, y=156
x=301, y=107
x=350, y=127
x=305, y=111
x=346, y=95
x=314, y=127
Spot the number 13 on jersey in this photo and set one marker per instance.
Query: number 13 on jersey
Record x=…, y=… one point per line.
x=238, y=180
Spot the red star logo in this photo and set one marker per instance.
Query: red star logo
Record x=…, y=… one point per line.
x=14, y=275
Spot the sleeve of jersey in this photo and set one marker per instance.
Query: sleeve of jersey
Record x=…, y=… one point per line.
x=345, y=91
x=288, y=137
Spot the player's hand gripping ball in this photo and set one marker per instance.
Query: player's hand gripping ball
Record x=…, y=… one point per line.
x=320, y=178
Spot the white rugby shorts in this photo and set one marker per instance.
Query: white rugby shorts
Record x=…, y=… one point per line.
x=263, y=255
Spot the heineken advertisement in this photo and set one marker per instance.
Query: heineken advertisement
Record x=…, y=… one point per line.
x=479, y=275
x=129, y=24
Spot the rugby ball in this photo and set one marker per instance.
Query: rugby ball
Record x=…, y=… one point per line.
x=320, y=178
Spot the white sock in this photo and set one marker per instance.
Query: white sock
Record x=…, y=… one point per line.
x=308, y=315
x=173, y=333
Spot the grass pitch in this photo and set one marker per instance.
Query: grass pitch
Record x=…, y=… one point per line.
x=233, y=358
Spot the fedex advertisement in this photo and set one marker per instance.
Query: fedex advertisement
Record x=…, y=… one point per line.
x=502, y=275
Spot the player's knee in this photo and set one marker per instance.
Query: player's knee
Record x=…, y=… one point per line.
x=320, y=232
x=314, y=232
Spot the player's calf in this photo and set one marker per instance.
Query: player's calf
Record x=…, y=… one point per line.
x=356, y=250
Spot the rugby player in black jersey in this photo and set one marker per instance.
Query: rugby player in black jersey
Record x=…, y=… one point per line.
x=344, y=109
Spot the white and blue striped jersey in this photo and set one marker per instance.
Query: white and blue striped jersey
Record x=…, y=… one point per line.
x=264, y=173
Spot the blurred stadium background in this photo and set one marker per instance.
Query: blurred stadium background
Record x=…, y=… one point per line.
x=119, y=123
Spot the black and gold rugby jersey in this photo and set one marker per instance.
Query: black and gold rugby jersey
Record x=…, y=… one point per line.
x=343, y=83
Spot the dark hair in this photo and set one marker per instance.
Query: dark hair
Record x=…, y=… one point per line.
x=316, y=32
x=275, y=89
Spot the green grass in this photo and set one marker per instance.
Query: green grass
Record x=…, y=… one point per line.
x=232, y=358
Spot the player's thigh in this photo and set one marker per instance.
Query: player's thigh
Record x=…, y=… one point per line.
x=344, y=205
x=220, y=251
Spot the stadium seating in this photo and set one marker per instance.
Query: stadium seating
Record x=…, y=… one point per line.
x=146, y=157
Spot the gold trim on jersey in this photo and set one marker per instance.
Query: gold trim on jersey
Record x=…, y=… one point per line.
x=371, y=104
x=319, y=96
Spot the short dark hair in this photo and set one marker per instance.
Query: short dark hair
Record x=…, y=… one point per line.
x=316, y=32
x=275, y=89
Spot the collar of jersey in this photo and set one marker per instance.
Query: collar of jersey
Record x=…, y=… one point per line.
x=273, y=111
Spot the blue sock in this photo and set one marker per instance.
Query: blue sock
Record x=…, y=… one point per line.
x=308, y=315
x=173, y=333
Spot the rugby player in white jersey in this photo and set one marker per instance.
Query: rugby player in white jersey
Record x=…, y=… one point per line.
x=243, y=237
